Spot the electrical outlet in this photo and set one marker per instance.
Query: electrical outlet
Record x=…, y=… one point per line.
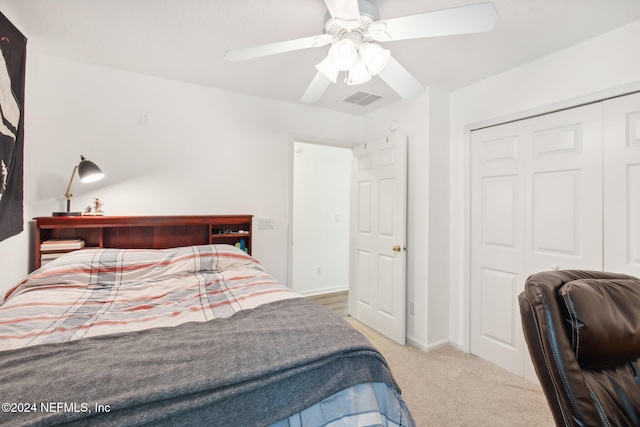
x=411, y=308
x=318, y=270
x=145, y=118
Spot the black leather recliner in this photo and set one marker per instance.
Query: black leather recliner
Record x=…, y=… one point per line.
x=583, y=333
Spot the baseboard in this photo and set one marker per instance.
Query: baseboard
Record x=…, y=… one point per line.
x=417, y=344
x=438, y=344
x=427, y=347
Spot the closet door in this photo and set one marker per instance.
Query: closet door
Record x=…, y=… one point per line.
x=564, y=191
x=498, y=243
x=536, y=205
x=622, y=185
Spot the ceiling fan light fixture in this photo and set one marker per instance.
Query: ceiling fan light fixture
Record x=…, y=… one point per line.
x=358, y=74
x=375, y=57
x=327, y=69
x=378, y=31
x=353, y=27
x=343, y=54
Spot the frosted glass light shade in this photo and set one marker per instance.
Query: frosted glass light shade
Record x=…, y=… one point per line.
x=375, y=57
x=358, y=74
x=328, y=70
x=343, y=54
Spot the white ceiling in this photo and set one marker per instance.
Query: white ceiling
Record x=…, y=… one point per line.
x=186, y=39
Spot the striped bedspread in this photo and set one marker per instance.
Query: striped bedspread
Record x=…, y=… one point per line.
x=96, y=292
x=105, y=291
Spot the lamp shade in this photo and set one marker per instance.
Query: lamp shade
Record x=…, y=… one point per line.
x=375, y=57
x=343, y=54
x=328, y=70
x=89, y=171
x=358, y=74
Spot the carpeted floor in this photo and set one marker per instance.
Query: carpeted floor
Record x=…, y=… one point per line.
x=447, y=387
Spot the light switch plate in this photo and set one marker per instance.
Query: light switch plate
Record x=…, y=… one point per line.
x=265, y=223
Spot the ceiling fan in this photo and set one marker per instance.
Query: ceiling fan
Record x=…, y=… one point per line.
x=352, y=28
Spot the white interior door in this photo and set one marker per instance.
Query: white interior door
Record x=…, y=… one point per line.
x=536, y=205
x=564, y=191
x=622, y=185
x=498, y=243
x=378, y=230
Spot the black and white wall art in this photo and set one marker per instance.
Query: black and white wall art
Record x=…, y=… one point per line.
x=13, y=47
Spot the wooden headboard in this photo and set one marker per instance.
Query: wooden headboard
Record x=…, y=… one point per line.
x=138, y=232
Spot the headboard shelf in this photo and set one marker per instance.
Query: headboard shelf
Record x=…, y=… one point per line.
x=142, y=232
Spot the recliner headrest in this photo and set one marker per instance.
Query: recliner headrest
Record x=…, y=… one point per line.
x=603, y=320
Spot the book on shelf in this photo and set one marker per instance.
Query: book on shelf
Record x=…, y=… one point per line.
x=61, y=244
x=50, y=255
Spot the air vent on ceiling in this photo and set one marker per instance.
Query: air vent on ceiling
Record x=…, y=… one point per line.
x=362, y=98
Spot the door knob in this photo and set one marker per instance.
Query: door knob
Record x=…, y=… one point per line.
x=396, y=248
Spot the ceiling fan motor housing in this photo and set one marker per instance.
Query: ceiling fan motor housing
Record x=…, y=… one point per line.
x=340, y=28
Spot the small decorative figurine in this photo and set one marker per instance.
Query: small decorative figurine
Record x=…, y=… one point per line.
x=98, y=211
x=95, y=210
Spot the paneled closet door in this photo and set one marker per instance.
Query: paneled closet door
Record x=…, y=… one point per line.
x=622, y=185
x=564, y=191
x=498, y=168
x=536, y=205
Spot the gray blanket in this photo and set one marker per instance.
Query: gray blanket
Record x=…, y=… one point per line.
x=254, y=368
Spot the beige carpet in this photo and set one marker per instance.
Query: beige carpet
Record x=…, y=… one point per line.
x=447, y=387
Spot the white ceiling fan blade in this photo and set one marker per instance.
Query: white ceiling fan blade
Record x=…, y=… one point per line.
x=316, y=89
x=275, y=48
x=346, y=10
x=400, y=80
x=475, y=18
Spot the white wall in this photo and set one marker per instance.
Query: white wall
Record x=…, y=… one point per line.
x=425, y=122
x=204, y=151
x=321, y=198
x=607, y=64
x=438, y=219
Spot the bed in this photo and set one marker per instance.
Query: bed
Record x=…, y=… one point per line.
x=197, y=335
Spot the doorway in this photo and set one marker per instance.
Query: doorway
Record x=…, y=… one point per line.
x=321, y=211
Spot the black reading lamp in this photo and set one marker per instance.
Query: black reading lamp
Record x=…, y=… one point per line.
x=88, y=172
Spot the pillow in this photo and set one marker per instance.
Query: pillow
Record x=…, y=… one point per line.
x=603, y=320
